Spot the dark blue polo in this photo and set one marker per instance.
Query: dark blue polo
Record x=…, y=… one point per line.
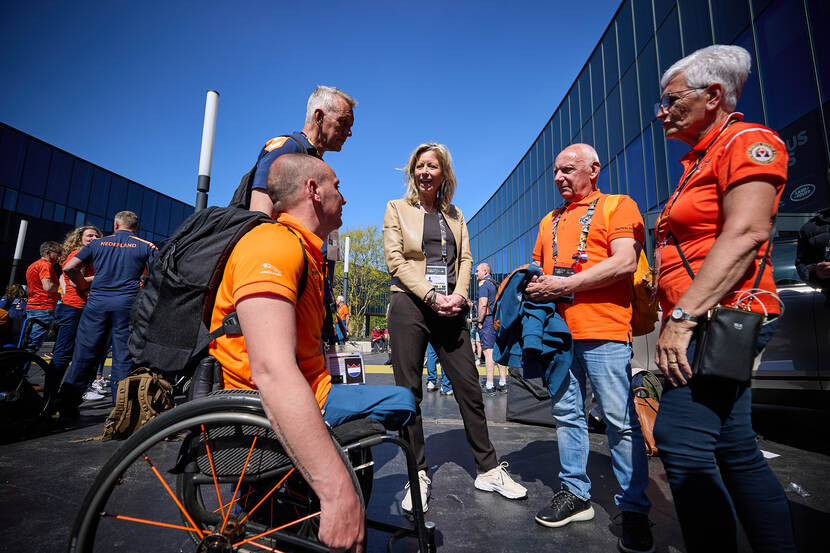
x=274, y=149
x=119, y=261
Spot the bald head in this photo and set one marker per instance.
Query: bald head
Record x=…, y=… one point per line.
x=576, y=171
x=288, y=175
x=483, y=270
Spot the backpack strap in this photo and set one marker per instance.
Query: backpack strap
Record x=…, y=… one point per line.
x=230, y=323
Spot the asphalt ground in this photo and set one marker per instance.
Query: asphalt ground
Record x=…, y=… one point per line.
x=44, y=478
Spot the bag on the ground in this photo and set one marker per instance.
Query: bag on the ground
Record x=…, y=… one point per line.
x=643, y=282
x=170, y=318
x=140, y=398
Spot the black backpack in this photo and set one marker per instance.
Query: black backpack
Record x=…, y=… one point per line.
x=242, y=195
x=170, y=318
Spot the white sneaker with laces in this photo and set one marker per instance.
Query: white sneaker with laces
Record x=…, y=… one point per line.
x=431, y=387
x=406, y=504
x=98, y=385
x=91, y=394
x=498, y=480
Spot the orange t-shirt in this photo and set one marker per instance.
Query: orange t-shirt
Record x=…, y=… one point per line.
x=70, y=295
x=38, y=297
x=602, y=313
x=268, y=260
x=343, y=312
x=743, y=151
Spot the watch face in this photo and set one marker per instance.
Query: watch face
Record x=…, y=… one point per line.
x=677, y=314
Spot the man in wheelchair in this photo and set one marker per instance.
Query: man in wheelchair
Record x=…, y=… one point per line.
x=274, y=281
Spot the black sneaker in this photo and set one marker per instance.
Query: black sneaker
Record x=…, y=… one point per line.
x=501, y=388
x=636, y=533
x=565, y=507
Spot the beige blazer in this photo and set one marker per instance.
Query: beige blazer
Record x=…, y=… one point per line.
x=403, y=234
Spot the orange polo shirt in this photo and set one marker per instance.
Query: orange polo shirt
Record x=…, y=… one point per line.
x=602, y=313
x=742, y=152
x=268, y=260
x=38, y=297
x=343, y=312
x=70, y=295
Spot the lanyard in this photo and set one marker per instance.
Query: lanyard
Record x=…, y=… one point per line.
x=664, y=214
x=580, y=256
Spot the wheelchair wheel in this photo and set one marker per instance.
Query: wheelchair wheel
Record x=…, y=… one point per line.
x=25, y=397
x=207, y=476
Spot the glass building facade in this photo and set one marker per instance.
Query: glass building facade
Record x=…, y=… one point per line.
x=56, y=191
x=610, y=106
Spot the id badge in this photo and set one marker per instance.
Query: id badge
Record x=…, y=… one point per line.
x=437, y=276
x=563, y=272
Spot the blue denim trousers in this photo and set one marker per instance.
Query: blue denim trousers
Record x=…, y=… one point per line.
x=67, y=318
x=393, y=406
x=432, y=370
x=607, y=364
x=38, y=332
x=716, y=471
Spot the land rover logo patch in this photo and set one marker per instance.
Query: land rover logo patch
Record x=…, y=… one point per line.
x=762, y=153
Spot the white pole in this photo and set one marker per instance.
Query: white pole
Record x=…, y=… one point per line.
x=18, y=250
x=206, y=155
x=346, y=271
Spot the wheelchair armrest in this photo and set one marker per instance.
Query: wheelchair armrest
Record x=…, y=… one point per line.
x=357, y=430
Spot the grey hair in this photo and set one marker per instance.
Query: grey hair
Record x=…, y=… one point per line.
x=447, y=189
x=725, y=64
x=323, y=98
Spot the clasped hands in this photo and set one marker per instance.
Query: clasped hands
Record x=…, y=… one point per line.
x=547, y=288
x=446, y=306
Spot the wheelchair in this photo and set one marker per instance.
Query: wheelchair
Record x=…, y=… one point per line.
x=210, y=476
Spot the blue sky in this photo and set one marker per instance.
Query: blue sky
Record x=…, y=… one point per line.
x=123, y=84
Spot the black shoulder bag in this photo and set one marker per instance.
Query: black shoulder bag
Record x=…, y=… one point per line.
x=727, y=337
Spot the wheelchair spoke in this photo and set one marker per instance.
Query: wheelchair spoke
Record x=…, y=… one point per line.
x=176, y=499
x=241, y=476
x=272, y=490
x=213, y=472
x=150, y=522
x=277, y=529
x=229, y=504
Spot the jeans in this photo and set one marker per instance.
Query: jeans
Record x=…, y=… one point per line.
x=716, y=472
x=67, y=318
x=607, y=364
x=38, y=332
x=393, y=406
x=432, y=370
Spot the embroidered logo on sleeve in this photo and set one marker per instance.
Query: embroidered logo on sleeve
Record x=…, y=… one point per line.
x=762, y=153
x=268, y=269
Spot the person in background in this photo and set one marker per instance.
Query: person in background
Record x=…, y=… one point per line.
x=433, y=380
x=472, y=324
x=342, y=321
x=812, y=258
x=42, y=279
x=68, y=311
x=427, y=248
x=14, y=302
x=487, y=289
x=719, y=219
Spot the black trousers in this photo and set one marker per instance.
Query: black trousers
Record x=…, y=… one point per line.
x=411, y=325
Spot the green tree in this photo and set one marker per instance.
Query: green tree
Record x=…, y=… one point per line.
x=368, y=279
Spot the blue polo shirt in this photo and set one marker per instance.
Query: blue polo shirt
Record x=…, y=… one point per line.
x=119, y=261
x=276, y=147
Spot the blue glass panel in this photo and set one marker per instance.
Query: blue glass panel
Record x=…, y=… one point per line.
x=625, y=35
x=603, y=182
x=661, y=171
x=99, y=192
x=609, y=53
x=661, y=8
x=749, y=102
x=648, y=160
x=96, y=220
x=697, y=28
x=675, y=149
x=636, y=173
x=134, y=199
x=36, y=169
x=60, y=174
x=10, y=200
x=117, y=196
x=597, y=80
x=631, y=107
x=69, y=218
x=805, y=142
x=12, y=153
x=729, y=18
x=643, y=22
x=819, y=12
x=788, y=78
x=79, y=189
x=48, y=210
x=80, y=219
x=601, y=134
x=585, y=110
x=614, y=117
x=668, y=44
x=147, y=215
x=60, y=213
x=162, y=215
x=649, y=87
x=614, y=187
x=565, y=112
x=588, y=133
x=556, y=125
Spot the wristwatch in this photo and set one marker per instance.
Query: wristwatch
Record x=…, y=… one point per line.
x=679, y=314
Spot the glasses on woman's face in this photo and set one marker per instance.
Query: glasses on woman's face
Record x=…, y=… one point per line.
x=668, y=99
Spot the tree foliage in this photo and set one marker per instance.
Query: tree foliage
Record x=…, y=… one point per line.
x=368, y=279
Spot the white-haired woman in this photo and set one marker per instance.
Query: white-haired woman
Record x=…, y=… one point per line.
x=711, y=243
x=428, y=256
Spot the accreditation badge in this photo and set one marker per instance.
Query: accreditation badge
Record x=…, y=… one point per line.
x=437, y=276
x=563, y=272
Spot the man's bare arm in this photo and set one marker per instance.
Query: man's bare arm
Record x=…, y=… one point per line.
x=269, y=326
x=260, y=201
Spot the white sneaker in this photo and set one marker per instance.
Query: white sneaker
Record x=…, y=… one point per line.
x=498, y=480
x=431, y=387
x=99, y=385
x=406, y=504
x=91, y=394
